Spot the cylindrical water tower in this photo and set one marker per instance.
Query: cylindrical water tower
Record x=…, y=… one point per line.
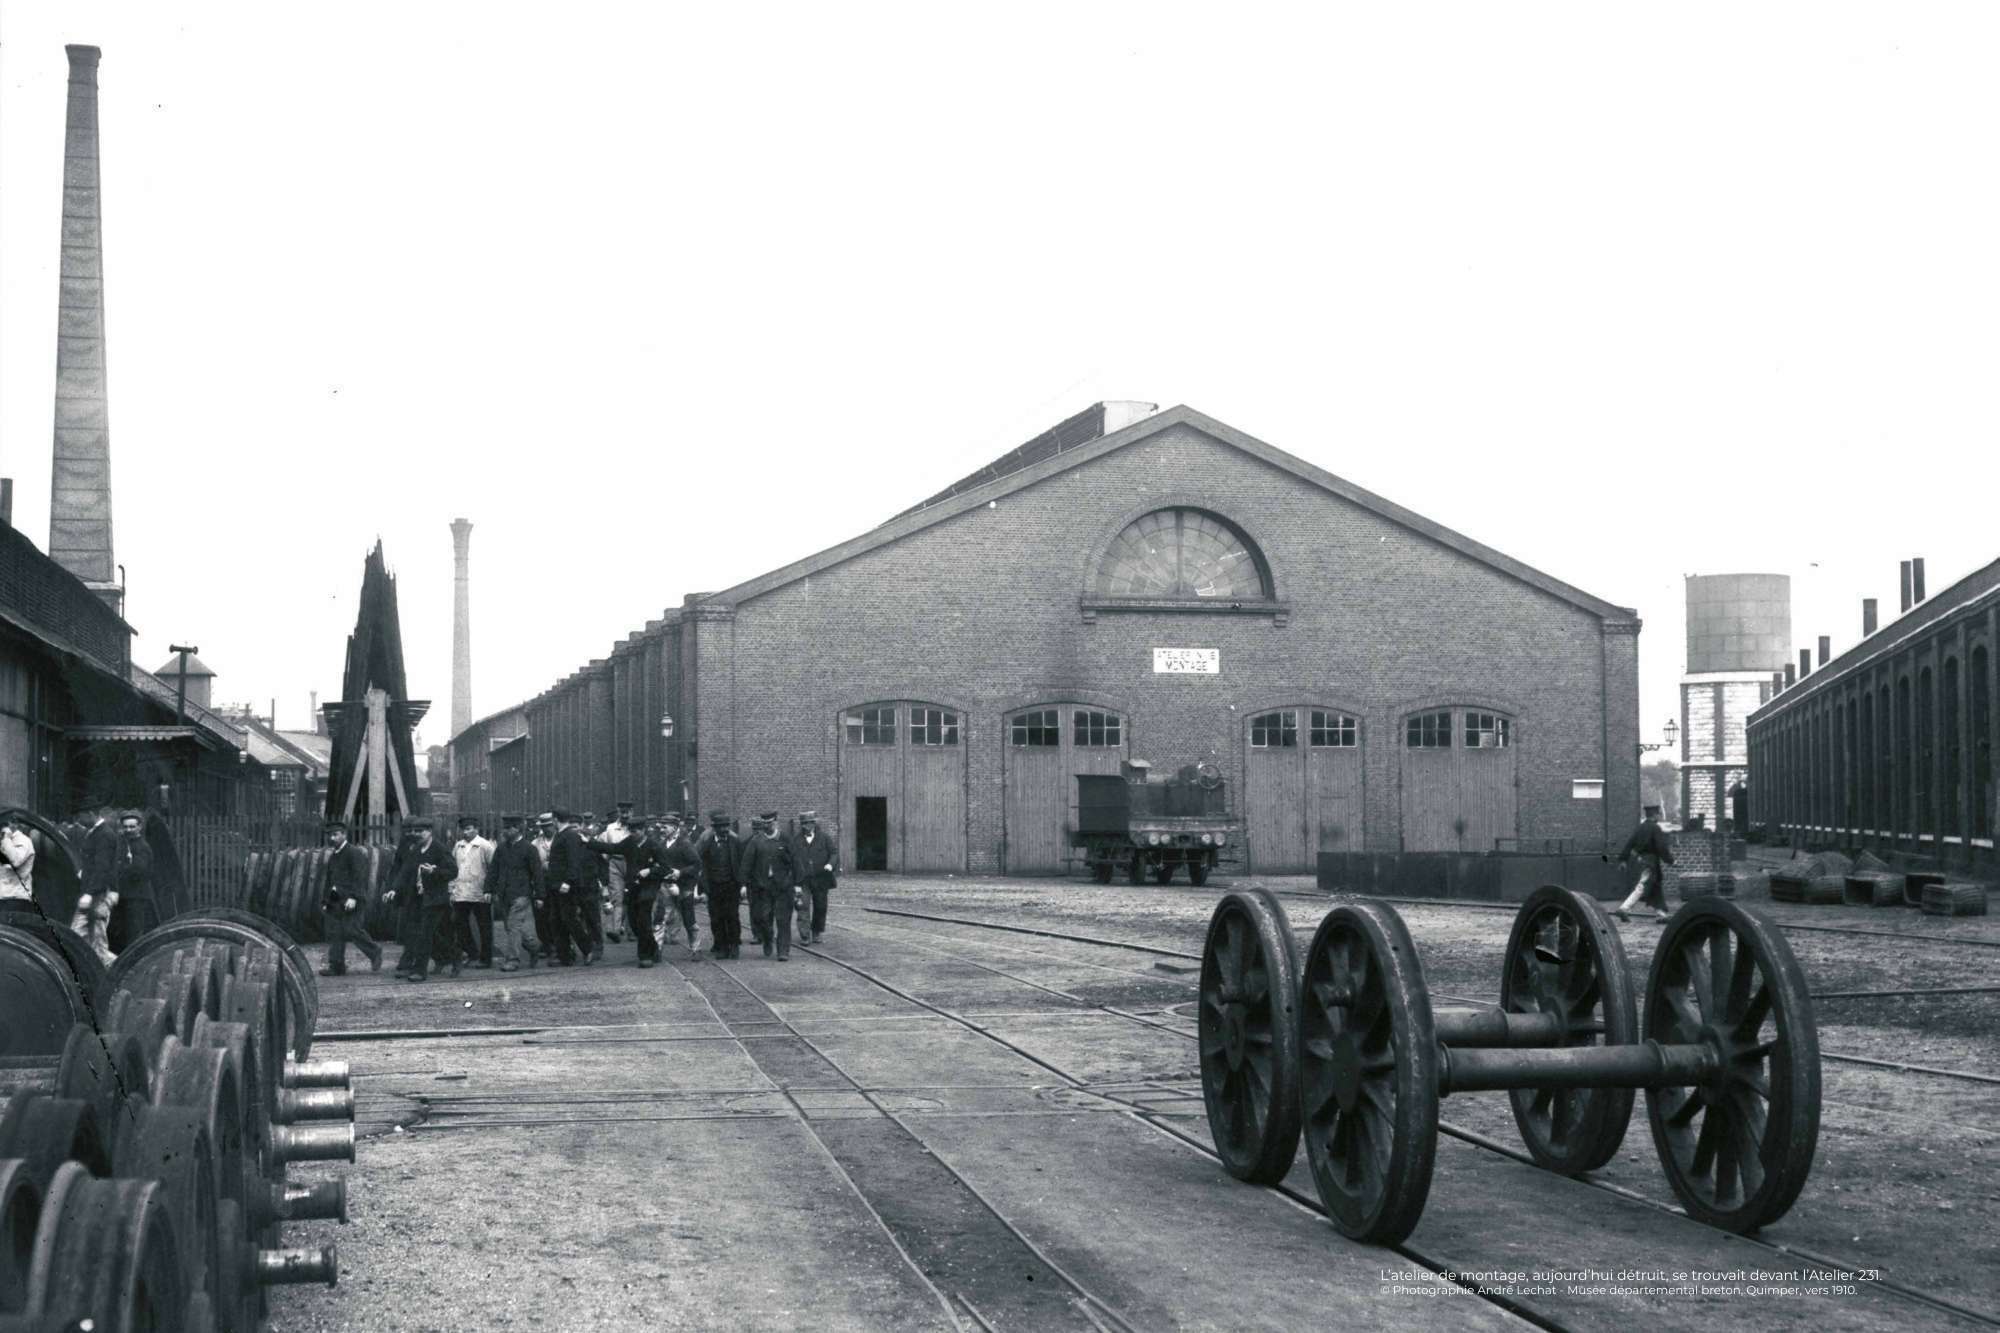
x=1739, y=632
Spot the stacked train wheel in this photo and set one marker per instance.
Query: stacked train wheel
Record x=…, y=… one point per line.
x=145, y=1133
x=1728, y=1055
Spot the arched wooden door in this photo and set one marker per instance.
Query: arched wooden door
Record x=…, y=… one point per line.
x=1459, y=789
x=1045, y=748
x=902, y=788
x=1302, y=788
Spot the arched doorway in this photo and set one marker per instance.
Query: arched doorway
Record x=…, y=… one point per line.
x=1459, y=792
x=1302, y=787
x=1045, y=747
x=902, y=779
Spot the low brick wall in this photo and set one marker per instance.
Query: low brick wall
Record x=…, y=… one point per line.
x=1504, y=877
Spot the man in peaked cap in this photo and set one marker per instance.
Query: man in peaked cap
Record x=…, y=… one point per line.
x=515, y=881
x=767, y=870
x=571, y=883
x=815, y=864
x=1649, y=844
x=721, y=855
x=345, y=900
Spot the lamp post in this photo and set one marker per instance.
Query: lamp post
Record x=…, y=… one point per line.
x=1670, y=731
x=667, y=735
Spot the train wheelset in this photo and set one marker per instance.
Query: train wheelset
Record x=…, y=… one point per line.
x=1341, y=1047
x=147, y=1120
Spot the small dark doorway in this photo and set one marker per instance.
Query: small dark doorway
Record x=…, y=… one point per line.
x=871, y=833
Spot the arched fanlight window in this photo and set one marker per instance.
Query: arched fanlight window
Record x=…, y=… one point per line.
x=1182, y=553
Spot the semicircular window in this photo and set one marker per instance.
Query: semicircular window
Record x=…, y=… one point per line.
x=1181, y=553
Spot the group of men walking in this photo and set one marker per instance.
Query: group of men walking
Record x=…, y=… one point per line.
x=117, y=904
x=566, y=884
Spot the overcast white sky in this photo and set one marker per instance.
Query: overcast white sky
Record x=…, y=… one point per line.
x=662, y=297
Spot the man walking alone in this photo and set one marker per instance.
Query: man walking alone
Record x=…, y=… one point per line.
x=346, y=900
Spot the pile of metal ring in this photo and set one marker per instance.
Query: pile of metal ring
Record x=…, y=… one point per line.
x=147, y=1117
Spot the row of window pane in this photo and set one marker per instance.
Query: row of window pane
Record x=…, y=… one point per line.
x=1432, y=731
x=1042, y=729
x=1280, y=730
x=877, y=726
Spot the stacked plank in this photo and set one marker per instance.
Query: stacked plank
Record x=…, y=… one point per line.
x=1953, y=899
x=147, y=1119
x=1875, y=888
x=1816, y=879
x=1701, y=884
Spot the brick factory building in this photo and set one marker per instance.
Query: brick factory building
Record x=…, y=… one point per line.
x=1890, y=745
x=1131, y=584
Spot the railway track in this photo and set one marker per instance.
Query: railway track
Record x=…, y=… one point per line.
x=1932, y=1071
x=1911, y=1295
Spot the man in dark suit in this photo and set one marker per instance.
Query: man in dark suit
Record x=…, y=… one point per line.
x=815, y=865
x=427, y=874
x=767, y=871
x=571, y=883
x=345, y=902
x=676, y=866
x=721, y=854
x=133, y=911
x=1649, y=844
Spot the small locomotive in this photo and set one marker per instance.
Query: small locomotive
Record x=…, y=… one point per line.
x=1135, y=823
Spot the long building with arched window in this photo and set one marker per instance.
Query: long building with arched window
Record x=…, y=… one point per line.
x=1132, y=584
x=1890, y=745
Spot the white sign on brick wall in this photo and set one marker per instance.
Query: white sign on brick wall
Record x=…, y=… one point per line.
x=1187, y=661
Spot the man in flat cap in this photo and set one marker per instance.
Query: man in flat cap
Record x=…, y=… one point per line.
x=471, y=899
x=616, y=847
x=1649, y=845
x=767, y=869
x=428, y=871
x=721, y=855
x=515, y=881
x=683, y=872
x=571, y=879
x=548, y=922
x=345, y=901
x=815, y=864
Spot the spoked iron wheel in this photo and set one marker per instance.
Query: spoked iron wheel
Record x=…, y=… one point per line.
x=1249, y=1036
x=1564, y=958
x=1368, y=1073
x=1737, y=1147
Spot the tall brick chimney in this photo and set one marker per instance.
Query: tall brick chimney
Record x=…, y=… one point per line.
x=80, y=488
x=461, y=627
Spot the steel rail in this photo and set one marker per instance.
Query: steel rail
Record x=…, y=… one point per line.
x=888, y=1232
x=1444, y=1127
x=1089, y=1297
x=1441, y=1270
x=1442, y=997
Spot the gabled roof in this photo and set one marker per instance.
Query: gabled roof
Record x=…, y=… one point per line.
x=1045, y=457
x=311, y=743
x=172, y=667
x=212, y=724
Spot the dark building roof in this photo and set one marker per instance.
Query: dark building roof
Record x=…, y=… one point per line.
x=1979, y=587
x=1080, y=429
